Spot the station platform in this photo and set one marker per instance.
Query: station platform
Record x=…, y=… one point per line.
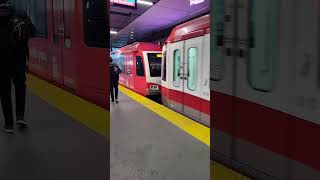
x=58, y=144
x=150, y=141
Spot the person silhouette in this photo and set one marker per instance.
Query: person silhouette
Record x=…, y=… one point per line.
x=114, y=80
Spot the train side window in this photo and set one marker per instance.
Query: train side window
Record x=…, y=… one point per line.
x=263, y=44
x=96, y=23
x=38, y=15
x=122, y=67
x=139, y=66
x=192, y=68
x=164, y=71
x=176, y=67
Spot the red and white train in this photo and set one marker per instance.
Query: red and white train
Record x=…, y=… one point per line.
x=266, y=88
x=71, y=47
x=186, y=70
x=140, y=64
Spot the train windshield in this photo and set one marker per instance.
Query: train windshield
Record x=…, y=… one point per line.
x=155, y=64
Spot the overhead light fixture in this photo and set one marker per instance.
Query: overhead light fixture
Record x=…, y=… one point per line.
x=148, y=3
x=195, y=2
x=113, y=32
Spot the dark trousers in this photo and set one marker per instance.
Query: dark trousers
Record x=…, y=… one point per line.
x=6, y=102
x=19, y=81
x=114, y=91
x=6, y=98
x=17, y=76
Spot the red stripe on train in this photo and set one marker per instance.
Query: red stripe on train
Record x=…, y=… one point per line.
x=191, y=101
x=277, y=131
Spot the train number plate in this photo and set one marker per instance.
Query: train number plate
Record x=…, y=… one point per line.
x=154, y=87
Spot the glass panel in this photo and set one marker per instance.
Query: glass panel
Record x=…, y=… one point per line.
x=192, y=68
x=37, y=13
x=164, y=73
x=139, y=66
x=96, y=23
x=155, y=64
x=263, y=23
x=176, y=67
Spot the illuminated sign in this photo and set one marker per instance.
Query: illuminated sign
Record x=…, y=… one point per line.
x=128, y=3
x=194, y=2
x=159, y=55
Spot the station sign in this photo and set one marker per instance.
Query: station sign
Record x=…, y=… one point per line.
x=195, y=2
x=124, y=3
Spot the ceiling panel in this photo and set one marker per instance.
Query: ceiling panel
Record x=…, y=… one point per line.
x=163, y=15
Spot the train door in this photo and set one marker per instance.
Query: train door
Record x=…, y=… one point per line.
x=305, y=92
x=127, y=70
x=57, y=37
x=69, y=66
x=131, y=71
x=222, y=79
x=205, y=81
x=192, y=68
x=256, y=58
x=244, y=53
x=140, y=77
x=176, y=55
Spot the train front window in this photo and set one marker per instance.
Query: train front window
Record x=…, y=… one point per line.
x=155, y=64
x=96, y=23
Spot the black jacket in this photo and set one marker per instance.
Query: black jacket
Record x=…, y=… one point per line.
x=14, y=52
x=114, y=73
x=5, y=49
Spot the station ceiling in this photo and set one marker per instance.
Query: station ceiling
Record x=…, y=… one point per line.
x=136, y=24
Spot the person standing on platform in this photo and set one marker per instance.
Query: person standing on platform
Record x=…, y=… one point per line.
x=5, y=65
x=23, y=30
x=114, y=80
x=15, y=30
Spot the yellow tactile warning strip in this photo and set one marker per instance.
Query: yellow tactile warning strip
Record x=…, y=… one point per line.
x=193, y=128
x=91, y=115
x=219, y=172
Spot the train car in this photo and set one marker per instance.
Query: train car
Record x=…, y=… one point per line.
x=266, y=88
x=140, y=64
x=70, y=49
x=186, y=69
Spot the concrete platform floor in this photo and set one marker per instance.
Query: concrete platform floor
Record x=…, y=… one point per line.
x=55, y=147
x=146, y=147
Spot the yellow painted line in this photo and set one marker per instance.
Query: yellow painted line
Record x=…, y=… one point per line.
x=219, y=172
x=91, y=115
x=198, y=131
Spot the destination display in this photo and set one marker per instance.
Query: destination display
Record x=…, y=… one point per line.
x=128, y=3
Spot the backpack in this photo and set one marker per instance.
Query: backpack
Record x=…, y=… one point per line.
x=114, y=73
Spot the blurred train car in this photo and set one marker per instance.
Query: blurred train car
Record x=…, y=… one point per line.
x=266, y=88
x=186, y=70
x=70, y=49
x=140, y=64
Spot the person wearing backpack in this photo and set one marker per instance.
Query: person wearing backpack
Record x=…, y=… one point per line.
x=114, y=80
x=22, y=31
x=14, y=46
